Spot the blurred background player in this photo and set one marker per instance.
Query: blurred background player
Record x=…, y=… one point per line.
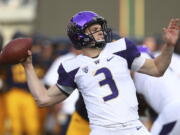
x=24, y=116
x=22, y=111
x=162, y=94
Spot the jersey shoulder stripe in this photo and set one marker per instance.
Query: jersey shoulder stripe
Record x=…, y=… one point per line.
x=126, y=49
x=66, y=78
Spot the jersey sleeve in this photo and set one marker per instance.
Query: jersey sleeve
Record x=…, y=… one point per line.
x=129, y=51
x=134, y=58
x=66, y=81
x=132, y=52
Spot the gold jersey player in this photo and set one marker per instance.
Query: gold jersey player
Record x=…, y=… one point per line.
x=101, y=74
x=20, y=106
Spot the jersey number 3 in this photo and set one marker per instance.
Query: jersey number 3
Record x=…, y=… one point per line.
x=109, y=81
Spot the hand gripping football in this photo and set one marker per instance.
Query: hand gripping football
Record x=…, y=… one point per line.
x=15, y=51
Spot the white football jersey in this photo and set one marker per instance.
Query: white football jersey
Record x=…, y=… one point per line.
x=105, y=82
x=158, y=91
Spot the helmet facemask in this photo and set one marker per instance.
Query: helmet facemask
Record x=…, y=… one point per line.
x=76, y=30
x=99, y=43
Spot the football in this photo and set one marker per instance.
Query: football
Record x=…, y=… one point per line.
x=15, y=51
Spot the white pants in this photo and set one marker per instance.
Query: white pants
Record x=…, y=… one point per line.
x=131, y=128
x=168, y=121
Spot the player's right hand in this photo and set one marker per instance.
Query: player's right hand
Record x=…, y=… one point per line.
x=28, y=60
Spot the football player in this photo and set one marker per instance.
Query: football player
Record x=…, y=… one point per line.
x=101, y=74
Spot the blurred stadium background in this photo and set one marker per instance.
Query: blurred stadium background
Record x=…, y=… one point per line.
x=128, y=17
x=46, y=20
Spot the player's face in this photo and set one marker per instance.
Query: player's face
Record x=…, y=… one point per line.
x=96, y=31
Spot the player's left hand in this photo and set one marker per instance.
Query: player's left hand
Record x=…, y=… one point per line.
x=171, y=33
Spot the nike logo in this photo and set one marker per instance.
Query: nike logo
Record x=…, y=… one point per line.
x=138, y=127
x=110, y=58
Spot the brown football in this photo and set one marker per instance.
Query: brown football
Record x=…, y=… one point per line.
x=15, y=51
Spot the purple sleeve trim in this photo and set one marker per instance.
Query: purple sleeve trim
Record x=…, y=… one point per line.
x=66, y=78
x=65, y=93
x=130, y=53
x=145, y=50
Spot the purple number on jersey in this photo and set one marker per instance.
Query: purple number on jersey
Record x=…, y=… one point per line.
x=109, y=81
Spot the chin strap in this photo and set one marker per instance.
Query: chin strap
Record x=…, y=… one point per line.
x=100, y=44
x=97, y=44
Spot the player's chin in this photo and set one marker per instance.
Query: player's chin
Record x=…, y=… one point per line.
x=100, y=40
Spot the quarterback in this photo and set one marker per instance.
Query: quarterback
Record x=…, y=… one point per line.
x=101, y=74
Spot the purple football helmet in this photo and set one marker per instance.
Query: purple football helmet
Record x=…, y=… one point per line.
x=76, y=30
